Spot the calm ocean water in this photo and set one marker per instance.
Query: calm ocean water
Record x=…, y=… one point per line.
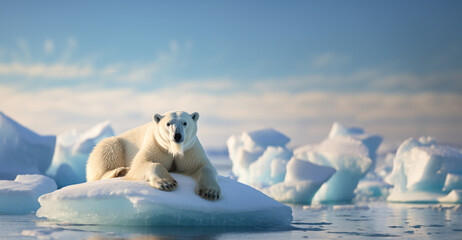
x=362, y=220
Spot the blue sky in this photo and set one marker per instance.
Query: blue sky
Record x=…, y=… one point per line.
x=392, y=67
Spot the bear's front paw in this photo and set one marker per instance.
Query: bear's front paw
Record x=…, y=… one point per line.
x=209, y=191
x=165, y=184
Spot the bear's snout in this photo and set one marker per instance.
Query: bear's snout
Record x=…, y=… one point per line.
x=178, y=137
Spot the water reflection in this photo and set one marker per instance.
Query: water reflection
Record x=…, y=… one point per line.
x=127, y=232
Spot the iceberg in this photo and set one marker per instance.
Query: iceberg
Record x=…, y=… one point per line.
x=261, y=160
x=348, y=156
x=424, y=171
x=20, y=196
x=269, y=168
x=325, y=172
x=72, y=151
x=455, y=196
x=135, y=203
x=453, y=181
x=371, y=141
x=372, y=190
x=301, y=182
x=249, y=146
x=22, y=151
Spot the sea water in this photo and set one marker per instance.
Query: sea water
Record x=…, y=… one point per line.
x=358, y=220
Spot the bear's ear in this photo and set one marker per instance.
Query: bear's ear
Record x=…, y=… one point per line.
x=157, y=117
x=195, y=116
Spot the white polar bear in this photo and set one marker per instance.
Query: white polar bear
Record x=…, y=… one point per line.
x=150, y=152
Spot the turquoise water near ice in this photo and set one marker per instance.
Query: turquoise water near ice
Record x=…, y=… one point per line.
x=360, y=220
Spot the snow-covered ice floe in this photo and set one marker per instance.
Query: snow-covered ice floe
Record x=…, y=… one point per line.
x=72, y=151
x=22, y=151
x=426, y=172
x=136, y=203
x=20, y=196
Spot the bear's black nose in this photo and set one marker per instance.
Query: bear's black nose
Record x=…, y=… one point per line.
x=178, y=137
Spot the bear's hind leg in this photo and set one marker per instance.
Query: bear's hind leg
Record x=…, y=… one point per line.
x=118, y=172
x=107, y=156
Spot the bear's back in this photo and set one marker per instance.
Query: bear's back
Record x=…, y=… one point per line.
x=133, y=140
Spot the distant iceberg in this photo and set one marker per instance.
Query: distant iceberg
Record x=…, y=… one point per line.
x=302, y=181
x=135, y=203
x=20, y=196
x=72, y=151
x=261, y=159
x=23, y=151
x=246, y=149
x=348, y=156
x=324, y=172
x=371, y=141
x=425, y=172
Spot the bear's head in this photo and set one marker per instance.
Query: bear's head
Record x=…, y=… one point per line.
x=176, y=131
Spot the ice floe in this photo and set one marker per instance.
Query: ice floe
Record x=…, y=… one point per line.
x=20, y=196
x=122, y=202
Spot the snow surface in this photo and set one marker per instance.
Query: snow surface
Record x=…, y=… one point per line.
x=20, y=196
x=23, y=151
x=424, y=171
x=348, y=156
x=122, y=202
x=72, y=151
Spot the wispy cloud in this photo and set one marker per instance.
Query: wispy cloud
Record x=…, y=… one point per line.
x=48, y=47
x=328, y=59
x=50, y=71
x=65, y=68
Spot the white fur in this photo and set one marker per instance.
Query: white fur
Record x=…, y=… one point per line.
x=149, y=153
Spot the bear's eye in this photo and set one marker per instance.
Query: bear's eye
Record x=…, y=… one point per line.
x=184, y=124
x=168, y=124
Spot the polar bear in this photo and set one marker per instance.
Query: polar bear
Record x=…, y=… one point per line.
x=150, y=152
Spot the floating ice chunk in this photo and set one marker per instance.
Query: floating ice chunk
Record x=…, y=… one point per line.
x=122, y=202
x=264, y=138
x=23, y=151
x=422, y=166
x=249, y=146
x=350, y=159
x=371, y=141
x=20, y=196
x=269, y=168
x=72, y=151
x=301, y=182
x=453, y=181
x=455, y=196
x=372, y=189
